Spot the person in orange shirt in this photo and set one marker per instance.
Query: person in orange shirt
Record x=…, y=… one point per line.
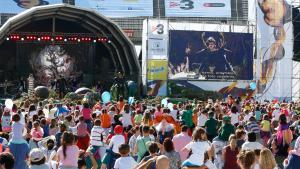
x=120, y=104
x=195, y=116
x=105, y=121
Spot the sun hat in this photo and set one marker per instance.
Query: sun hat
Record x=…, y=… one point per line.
x=36, y=155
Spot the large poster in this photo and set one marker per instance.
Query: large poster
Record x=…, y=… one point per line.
x=274, y=49
x=158, y=34
x=157, y=69
x=109, y=8
x=122, y=8
x=198, y=8
x=17, y=6
x=198, y=55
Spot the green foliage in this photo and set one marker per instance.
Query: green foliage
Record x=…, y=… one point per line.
x=192, y=93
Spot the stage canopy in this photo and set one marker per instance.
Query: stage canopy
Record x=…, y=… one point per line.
x=67, y=19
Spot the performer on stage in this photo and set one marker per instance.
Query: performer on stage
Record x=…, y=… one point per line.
x=61, y=86
x=22, y=85
x=120, y=84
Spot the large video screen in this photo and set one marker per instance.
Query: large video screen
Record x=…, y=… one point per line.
x=198, y=55
x=198, y=8
x=109, y=8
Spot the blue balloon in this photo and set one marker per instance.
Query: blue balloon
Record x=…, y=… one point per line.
x=252, y=85
x=164, y=102
x=106, y=97
x=130, y=100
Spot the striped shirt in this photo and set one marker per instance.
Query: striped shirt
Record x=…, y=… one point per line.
x=254, y=127
x=97, y=136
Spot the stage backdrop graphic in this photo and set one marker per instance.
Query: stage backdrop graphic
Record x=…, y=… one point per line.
x=109, y=8
x=274, y=50
x=49, y=62
x=157, y=69
x=198, y=8
x=198, y=55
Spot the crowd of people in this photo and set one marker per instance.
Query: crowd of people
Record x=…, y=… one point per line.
x=229, y=134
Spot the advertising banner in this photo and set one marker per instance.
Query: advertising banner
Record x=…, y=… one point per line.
x=109, y=8
x=158, y=34
x=156, y=88
x=198, y=55
x=17, y=6
x=198, y=8
x=122, y=8
x=274, y=49
x=157, y=69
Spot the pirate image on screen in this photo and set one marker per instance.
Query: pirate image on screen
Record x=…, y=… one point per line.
x=212, y=59
x=27, y=4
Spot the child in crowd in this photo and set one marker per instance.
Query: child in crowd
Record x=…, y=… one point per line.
x=36, y=135
x=62, y=129
x=125, y=161
x=106, y=121
x=53, y=128
x=17, y=130
x=265, y=129
x=82, y=133
x=5, y=120
x=45, y=127
x=68, y=153
x=199, y=146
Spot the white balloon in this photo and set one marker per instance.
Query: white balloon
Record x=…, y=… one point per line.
x=9, y=103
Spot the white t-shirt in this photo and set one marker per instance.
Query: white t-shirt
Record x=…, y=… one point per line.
x=116, y=141
x=22, y=117
x=234, y=118
x=201, y=120
x=276, y=113
x=256, y=165
x=247, y=117
x=125, y=163
x=174, y=114
x=31, y=113
x=126, y=119
x=198, y=149
x=252, y=146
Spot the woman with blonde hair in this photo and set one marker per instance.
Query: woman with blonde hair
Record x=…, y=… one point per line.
x=147, y=119
x=267, y=160
x=230, y=153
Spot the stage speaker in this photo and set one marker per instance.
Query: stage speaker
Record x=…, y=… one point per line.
x=296, y=24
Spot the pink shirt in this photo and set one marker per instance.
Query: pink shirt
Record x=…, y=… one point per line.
x=71, y=160
x=86, y=113
x=82, y=129
x=37, y=133
x=157, y=113
x=180, y=141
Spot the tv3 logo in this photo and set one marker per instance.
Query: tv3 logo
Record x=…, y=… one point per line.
x=183, y=4
x=159, y=28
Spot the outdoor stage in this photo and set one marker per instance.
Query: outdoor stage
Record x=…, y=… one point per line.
x=61, y=40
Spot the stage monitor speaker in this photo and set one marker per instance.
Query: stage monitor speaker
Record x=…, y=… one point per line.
x=296, y=24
